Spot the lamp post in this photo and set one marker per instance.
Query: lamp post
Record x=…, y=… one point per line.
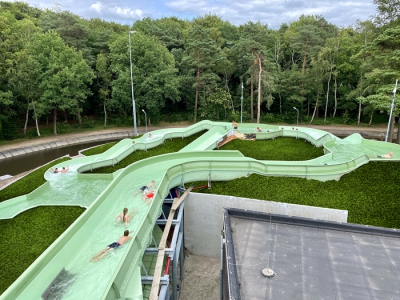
x=297, y=115
x=135, y=133
x=391, y=111
x=241, y=106
x=145, y=118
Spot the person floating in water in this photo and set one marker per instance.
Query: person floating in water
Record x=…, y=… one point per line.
x=54, y=170
x=235, y=125
x=145, y=188
x=124, y=217
x=389, y=155
x=64, y=169
x=148, y=195
x=122, y=240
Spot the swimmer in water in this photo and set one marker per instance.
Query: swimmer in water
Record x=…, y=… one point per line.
x=64, y=169
x=389, y=155
x=145, y=188
x=54, y=170
x=122, y=240
x=124, y=217
x=148, y=195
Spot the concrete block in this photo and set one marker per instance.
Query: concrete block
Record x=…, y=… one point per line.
x=5, y=177
x=203, y=218
x=7, y=154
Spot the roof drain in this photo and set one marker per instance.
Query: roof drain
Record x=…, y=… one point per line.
x=267, y=272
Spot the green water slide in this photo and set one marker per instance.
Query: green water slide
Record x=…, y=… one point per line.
x=118, y=275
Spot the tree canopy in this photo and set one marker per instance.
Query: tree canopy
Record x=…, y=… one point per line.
x=56, y=66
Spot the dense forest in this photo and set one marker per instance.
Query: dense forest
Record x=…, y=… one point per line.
x=58, y=69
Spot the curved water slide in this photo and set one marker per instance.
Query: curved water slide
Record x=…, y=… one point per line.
x=118, y=275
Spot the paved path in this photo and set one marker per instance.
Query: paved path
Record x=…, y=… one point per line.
x=64, y=140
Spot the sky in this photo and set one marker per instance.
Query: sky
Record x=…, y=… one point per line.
x=271, y=12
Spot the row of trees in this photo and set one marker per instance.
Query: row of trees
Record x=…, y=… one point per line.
x=54, y=63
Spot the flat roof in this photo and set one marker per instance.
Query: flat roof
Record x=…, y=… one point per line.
x=311, y=259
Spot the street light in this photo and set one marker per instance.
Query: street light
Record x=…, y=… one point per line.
x=241, y=105
x=135, y=133
x=145, y=118
x=297, y=115
x=391, y=111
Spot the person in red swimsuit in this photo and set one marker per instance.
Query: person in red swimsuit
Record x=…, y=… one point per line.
x=148, y=195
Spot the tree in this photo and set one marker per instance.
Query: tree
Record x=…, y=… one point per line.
x=201, y=55
x=254, y=59
x=215, y=106
x=388, y=10
x=155, y=80
x=305, y=38
x=71, y=29
x=64, y=75
x=24, y=79
x=104, y=80
x=382, y=64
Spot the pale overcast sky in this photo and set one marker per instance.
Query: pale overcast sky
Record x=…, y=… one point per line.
x=271, y=12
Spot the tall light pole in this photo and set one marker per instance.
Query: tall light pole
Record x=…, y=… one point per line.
x=297, y=115
x=135, y=133
x=145, y=118
x=241, y=106
x=391, y=111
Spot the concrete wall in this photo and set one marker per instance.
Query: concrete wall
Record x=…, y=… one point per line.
x=203, y=218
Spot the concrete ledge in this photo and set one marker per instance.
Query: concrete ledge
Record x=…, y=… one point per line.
x=204, y=218
x=4, y=177
x=65, y=143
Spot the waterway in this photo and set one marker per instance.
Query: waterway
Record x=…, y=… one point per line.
x=22, y=163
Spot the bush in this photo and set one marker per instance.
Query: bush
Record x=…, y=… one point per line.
x=63, y=127
x=88, y=122
x=9, y=129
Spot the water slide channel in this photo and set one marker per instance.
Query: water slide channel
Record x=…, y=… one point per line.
x=118, y=275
